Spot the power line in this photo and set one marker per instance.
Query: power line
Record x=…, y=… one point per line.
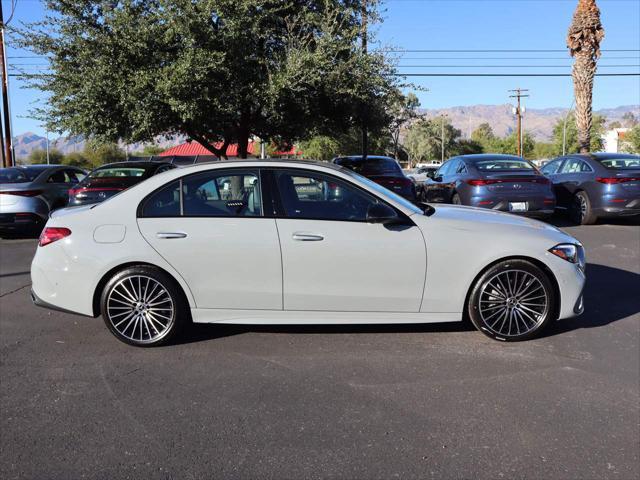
x=402, y=74
x=505, y=66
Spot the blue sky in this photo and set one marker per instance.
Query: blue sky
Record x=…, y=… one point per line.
x=460, y=25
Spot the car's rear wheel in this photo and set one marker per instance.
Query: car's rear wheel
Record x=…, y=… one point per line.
x=581, y=211
x=143, y=306
x=513, y=300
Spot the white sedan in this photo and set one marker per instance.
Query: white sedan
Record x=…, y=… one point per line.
x=284, y=242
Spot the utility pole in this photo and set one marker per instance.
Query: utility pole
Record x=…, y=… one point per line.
x=444, y=115
x=7, y=157
x=518, y=95
x=365, y=135
x=47, y=130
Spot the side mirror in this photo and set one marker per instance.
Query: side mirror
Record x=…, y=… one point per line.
x=381, y=213
x=438, y=178
x=431, y=174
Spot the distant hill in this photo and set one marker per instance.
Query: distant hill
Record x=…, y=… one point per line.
x=539, y=122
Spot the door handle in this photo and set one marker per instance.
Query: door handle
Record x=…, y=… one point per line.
x=307, y=237
x=169, y=235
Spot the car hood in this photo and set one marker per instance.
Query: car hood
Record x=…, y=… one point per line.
x=481, y=220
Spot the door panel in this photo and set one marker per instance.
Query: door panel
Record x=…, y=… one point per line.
x=227, y=262
x=351, y=266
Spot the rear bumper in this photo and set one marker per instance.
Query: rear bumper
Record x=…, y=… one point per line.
x=618, y=207
x=535, y=207
x=41, y=303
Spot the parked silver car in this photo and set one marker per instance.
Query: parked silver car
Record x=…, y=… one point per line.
x=28, y=193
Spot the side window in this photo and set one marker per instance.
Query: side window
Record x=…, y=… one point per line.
x=316, y=196
x=57, y=177
x=444, y=169
x=572, y=166
x=585, y=167
x=551, y=167
x=221, y=193
x=71, y=176
x=164, y=202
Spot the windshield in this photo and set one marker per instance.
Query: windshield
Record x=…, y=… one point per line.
x=12, y=175
x=383, y=191
x=117, y=172
x=501, y=164
x=620, y=163
x=370, y=166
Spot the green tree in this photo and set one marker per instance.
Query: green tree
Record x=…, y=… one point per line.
x=483, y=135
x=76, y=159
x=423, y=140
x=509, y=145
x=467, y=146
x=572, y=145
x=213, y=70
x=403, y=111
x=39, y=156
x=320, y=148
x=543, y=150
x=632, y=140
x=98, y=154
x=148, y=151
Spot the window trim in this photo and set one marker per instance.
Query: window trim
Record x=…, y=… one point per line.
x=282, y=214
x=221, y=171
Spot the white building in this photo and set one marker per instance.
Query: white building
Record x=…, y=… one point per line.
x=613, y=140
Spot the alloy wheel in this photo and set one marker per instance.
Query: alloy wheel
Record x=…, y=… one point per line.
x=140, y=309
x=513, y=303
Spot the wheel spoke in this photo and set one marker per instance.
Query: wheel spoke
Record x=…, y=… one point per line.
x=513, y=303
x=140, y=309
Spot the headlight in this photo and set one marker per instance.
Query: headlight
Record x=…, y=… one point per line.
x=570, y=252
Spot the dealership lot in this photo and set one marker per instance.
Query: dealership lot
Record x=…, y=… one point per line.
x=316, y=402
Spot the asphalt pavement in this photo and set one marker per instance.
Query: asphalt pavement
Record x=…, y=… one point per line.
x=434, y=401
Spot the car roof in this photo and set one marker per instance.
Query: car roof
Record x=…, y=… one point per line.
x=603, y=155
x=488, y=156
x=143, y=164
x=358, y=158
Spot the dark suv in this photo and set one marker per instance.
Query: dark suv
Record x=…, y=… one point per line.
x=596, y=185
x=384, y=171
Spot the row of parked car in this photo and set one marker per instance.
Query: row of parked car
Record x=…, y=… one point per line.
x=588, y=187
x=29, y=193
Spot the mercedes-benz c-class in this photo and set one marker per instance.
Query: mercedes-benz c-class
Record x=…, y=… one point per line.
x=285, y=242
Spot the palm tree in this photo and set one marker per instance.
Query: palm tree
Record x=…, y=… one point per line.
x=583, y=41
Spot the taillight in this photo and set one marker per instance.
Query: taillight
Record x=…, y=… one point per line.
x=480, y=182
x=53, y=234
x=614, y=180
x=22, y=193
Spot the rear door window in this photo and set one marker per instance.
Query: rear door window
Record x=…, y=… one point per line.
x=222, y=193
x=552, y=167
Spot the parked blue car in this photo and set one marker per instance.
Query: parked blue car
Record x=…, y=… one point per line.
x=596, y=185
x=500, y=182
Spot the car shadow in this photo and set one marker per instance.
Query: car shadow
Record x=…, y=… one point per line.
x=561, y=220
x=610, y=294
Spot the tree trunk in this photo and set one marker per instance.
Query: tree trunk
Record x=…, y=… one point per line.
x=584, y=70
x=218, y=152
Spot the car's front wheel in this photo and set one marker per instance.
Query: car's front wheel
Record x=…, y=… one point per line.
x=143, y=306
x=513, y=300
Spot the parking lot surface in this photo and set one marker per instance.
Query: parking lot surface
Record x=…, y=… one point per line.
x=439, y=401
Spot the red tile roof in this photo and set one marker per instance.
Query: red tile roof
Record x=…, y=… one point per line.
x=194, y=148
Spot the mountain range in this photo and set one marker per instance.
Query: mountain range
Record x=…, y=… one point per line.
x=538, y=122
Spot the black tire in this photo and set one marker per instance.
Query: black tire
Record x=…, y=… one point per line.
x=581, y=211
x=160, y=313
x=489, y=312
x=456, y=199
